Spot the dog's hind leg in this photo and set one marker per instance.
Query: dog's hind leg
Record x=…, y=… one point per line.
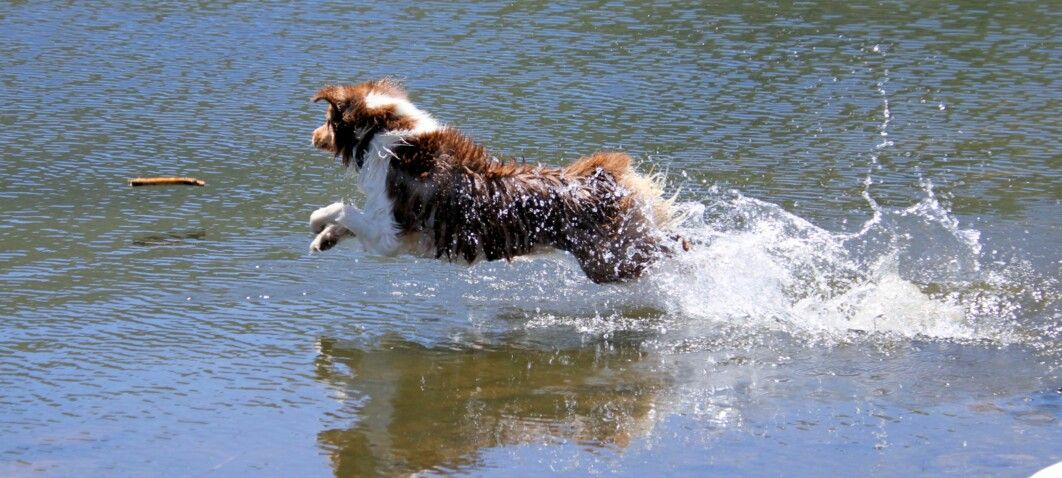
x=619, y=255
x=608, y=263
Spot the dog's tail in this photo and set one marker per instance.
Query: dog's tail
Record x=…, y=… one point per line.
x=646, y=189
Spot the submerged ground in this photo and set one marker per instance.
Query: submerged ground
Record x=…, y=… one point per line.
x=874, y=194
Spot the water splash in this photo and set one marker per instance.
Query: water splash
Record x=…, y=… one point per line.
x=912, y=272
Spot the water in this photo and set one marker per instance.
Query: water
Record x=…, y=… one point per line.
x=873, y=192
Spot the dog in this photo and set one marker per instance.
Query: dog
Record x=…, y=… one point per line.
x=432, y=191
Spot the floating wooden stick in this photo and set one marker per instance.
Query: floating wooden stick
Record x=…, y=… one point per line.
x=166, y=181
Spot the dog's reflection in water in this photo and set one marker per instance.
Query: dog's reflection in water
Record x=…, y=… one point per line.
x=435, y=408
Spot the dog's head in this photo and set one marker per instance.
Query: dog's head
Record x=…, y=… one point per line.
x=356, y=113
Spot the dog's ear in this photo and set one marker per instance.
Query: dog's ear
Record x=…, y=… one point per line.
x=332, y=94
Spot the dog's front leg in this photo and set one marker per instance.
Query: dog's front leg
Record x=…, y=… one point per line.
x=323, y=224
x=335, y=222
x=324, y=216
x=329, y=237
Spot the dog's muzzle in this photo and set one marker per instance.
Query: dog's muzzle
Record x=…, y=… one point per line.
x=323, y=138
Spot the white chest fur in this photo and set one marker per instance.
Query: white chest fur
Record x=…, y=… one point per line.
x=374, y=224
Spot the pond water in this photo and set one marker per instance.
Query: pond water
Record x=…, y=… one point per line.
x=873, y=191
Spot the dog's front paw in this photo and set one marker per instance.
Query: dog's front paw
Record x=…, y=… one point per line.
x=325, y=216
x=328, y=238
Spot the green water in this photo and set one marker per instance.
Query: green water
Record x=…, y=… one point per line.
x=875, y=191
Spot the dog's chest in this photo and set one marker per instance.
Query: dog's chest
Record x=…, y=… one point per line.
x=372, y=179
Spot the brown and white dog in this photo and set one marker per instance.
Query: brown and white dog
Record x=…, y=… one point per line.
x=431, y=191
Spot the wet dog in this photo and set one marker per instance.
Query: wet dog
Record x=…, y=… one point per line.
x=432, y=191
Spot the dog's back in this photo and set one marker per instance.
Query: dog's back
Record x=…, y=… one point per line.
x=473, y=206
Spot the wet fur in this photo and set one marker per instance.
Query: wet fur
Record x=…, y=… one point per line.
x=432, y=190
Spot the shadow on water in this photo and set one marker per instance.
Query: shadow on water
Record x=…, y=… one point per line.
x=169, y=238
x=437, y=408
